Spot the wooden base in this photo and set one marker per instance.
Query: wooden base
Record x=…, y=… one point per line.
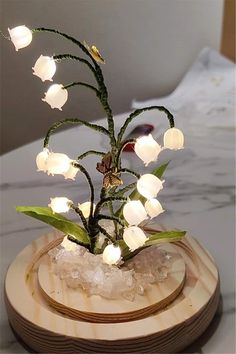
x=50, y=318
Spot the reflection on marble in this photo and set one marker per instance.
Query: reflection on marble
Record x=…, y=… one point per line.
x=198, y=193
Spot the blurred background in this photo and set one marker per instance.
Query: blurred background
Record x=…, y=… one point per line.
x=148, y=46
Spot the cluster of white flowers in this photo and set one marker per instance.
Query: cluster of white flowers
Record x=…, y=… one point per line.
x=63, y=205
x=148, y=150
x=56, y=164
x=135, y=212
x=44, y=67
x=148, y=185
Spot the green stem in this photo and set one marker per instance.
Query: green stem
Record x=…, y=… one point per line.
x=103, y=193
x=99, y=75
x=85, y=172
x=110, y=205
x=126, y=170
x=73, y=121
x=104, y=201
x=105, y=233
x=105, y=105
x=78, y=211
x=70, y=38
x=71, y=238
x=110, y=120
x=5, y=36
x=83, y=84
x=125, y=189
x=102, y=101
x=108, y=217
x=90, y=152
x=123, y=145
x=138, y=112
x=74, y=57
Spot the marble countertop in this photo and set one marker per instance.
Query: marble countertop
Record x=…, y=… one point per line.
x=198, y=195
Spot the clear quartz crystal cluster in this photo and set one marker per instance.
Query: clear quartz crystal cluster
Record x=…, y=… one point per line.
x=82, y=269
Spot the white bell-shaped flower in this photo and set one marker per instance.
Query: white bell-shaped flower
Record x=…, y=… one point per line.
x=69, y=245
x=147, y=149
x=134, y=212
x=57, y=163
x=56, y=96
x=111, y=254
x=60, y=204
x=44, y=68
x=85, y=208
x=41, y=160
x=134, y=237
x=149, y=186
x=71, y=173
x=153, y=207
x=174, y=139
x=21, y=36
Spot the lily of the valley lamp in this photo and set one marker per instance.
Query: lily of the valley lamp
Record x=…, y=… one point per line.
x=112, y=280
x=138, y=202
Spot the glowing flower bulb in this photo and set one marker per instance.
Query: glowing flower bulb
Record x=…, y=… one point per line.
x=71, y=173
x=134, y=237
x=153, y=208
x=60, y=204
x=85, y=208
x=149, y=186
x=57, y=163
x=69, y=245
x=56, y=96
x=134, y=212
x=21, y=36
x=111, y=254
x=41, y=160
x=174, y=139
x=44, y=68
x=147, y=149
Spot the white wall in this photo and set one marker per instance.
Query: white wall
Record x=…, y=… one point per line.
x=148, y=46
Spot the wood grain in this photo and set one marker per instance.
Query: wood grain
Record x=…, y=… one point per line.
x=228, y=30
x=77, y=305
x=168, y=330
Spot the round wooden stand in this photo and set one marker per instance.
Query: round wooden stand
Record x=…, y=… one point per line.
x=52, y=318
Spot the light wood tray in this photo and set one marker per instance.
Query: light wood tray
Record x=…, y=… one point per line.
x=77, y=305
x=52, y=318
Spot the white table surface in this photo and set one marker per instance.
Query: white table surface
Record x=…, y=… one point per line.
x=198, y=197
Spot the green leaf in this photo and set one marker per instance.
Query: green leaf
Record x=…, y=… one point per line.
x=125, y=251
x=165, y=236
x=56, y=220
x=157, y=238
x=158, y=172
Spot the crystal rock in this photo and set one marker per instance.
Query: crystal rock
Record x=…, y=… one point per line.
x=80, y=268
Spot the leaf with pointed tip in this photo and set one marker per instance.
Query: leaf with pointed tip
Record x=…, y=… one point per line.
x=157, y=238
x=158, y=172
x=165, y=236
x=56, y=220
